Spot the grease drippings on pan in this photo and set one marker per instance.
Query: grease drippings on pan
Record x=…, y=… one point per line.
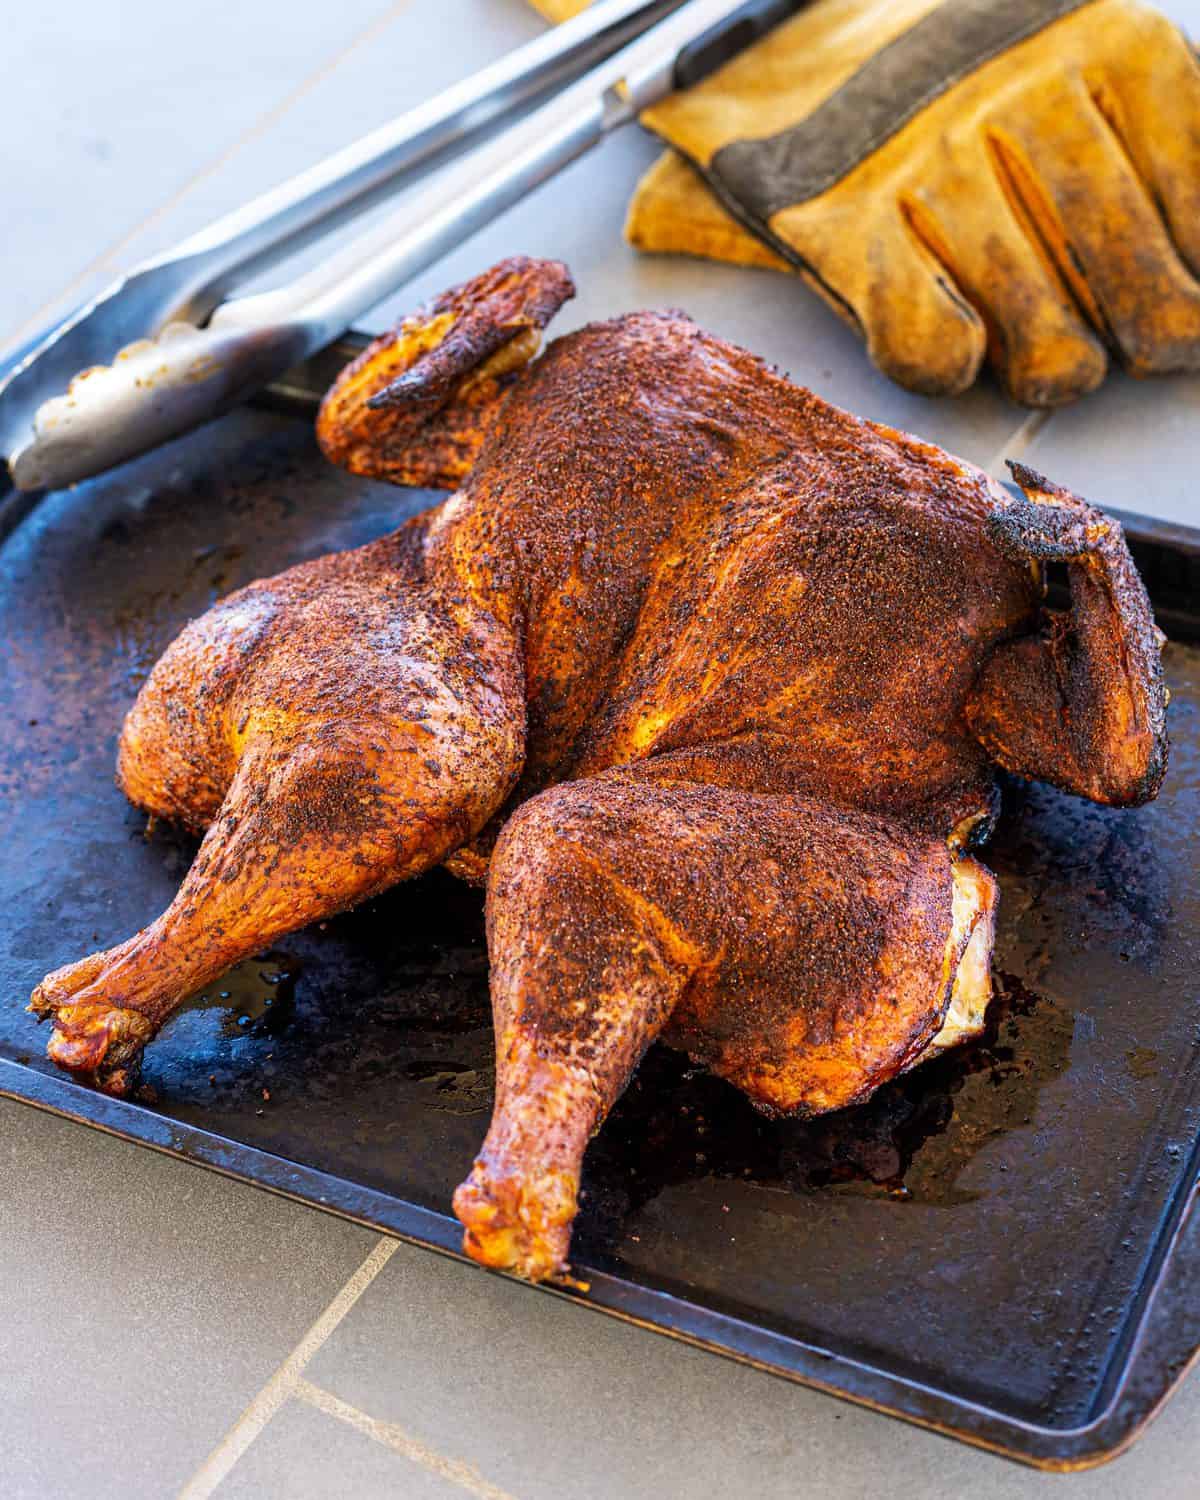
x=256, y=995
x=677, y=1122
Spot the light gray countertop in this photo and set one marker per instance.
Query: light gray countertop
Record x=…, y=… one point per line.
x=166, y=1332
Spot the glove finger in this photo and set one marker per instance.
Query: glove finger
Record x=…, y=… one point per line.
x=1096, y=219
x=919, y=328
x=1040, y=347
x=1152, y=103
x=673, y=212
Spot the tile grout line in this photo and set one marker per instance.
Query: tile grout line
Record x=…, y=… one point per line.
x=285, y=1379
x=264, y=123
x=1017, y=443
x=466, y=1476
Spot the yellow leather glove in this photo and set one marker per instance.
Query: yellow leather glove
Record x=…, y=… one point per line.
x=959, y=179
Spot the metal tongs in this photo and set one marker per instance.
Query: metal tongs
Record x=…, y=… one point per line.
x=166, y=349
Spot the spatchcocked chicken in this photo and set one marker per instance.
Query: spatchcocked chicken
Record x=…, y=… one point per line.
x=706, y=679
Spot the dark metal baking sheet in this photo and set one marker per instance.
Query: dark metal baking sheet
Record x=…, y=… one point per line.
x=1000, y=1246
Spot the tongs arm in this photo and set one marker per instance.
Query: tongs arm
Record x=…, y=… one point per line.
x=681, y=48
x=351, y=180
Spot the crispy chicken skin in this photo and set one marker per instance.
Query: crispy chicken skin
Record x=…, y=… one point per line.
x=707, y=679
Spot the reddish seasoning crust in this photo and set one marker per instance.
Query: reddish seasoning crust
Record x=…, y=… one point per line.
x=402, y=383
x=279, y=722
x=695, y=551
x=1102, y=698
x=726, y=665
x=778, y=923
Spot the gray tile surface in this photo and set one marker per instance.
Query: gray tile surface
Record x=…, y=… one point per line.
x=142, y=1305
x=549, y=1399
x=110, y=110
x=306, y=1455
x=1133, y=445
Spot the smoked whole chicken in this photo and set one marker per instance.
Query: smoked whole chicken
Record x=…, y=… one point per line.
x=706, y=679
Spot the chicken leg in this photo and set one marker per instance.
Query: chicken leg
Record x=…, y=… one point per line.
x=804, y=952
x=337, y=729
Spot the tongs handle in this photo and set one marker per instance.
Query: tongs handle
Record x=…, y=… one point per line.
x=724, y=40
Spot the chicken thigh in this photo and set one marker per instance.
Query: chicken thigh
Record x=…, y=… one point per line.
x=707, y=679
